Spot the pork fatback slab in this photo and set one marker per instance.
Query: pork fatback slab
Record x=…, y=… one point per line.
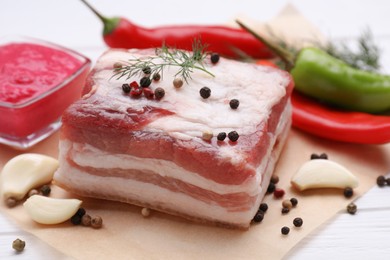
x=151, y=152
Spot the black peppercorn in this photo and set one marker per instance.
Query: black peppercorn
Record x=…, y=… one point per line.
x=258, y=217
x=221, y=136
x=80, y=212
x=381, y=181
x=205, y=92
x=145, y=82
x=324, y=156
x=234, y=103
x=294, y=202
x=351, y=208
x=285, y=210
x=156, y=76
x=263, y=207
x=298, y=222
x=45, y=190
x=76, y=219
x=348, y=192
x=321, y=156
x=159, y=93
x=126, y=88
x=214, y=58
x=388, y=181
x=271, y=188
x=285, y=230
x=233, y=136
x=147, y=70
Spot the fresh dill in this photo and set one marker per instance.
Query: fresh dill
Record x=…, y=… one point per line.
x=186, y=62
x=366, y=57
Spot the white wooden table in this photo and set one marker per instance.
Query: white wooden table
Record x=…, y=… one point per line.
x=362, y=236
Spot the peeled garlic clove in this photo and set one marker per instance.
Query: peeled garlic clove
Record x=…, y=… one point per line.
x=46, y=210
x=322, y=173
x=25, y=172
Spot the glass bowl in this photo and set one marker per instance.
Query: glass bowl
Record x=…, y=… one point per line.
x=38, y=81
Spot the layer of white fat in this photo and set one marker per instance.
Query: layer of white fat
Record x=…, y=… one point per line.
x=86, y=155
x=257, y=88
x=155, y=196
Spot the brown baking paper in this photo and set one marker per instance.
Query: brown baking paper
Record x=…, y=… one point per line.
x=128, y=235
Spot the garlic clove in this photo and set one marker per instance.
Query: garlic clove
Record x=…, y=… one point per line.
x=25, y=172
x=46, y=210
x=321, y=173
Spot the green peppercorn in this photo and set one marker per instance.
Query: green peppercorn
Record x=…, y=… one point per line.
x=294, y=202
x=117, y=65
x=286, y=204
x=32, y=192
x=271, y=188
x=156, y=76
x=221, y=136
x=285, y=211
x=214, y=58
x=96, y=222
x=381, y=181
x=285, y=230
x=11, y=202
x=234, y=103
x=259, y=216
x=207, y=135
x=274, y=179
x=233, y=136
x=263, y=207
x=178, y=83
x=351, y=208
x=159, y=93
x=298, y=222
x=348, y=192
x=126, y=88
x=86, y=220
x=205, y=92
x=18, y=245
x=45, y=190
x=145, y=82
x=147, y=70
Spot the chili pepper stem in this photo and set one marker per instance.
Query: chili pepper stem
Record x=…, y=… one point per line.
x=109, y=23
x=287, y=57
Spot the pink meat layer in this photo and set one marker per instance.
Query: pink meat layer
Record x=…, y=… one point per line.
x=123, y=134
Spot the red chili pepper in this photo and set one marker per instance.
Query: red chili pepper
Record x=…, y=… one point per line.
x=121, y=33
x=347, y=126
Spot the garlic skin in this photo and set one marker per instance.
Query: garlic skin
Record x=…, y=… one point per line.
x=25, y=172
x=322, y=173
x=46, y=210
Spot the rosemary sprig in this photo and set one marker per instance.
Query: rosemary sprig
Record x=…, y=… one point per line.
x=185, y=61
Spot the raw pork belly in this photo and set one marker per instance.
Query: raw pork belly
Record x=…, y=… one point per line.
x=151, y=152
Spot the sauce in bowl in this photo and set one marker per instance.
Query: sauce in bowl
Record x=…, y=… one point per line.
x=38, y=81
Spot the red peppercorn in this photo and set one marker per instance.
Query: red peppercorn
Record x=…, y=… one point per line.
x=134, y=84
x=149, y=94
x=279, y=193
x=136, y=92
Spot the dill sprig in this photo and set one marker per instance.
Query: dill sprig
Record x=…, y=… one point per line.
x=366, y=57
x=186, y=62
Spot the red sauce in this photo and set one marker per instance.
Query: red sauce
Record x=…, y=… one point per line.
x=37, y=83
x=27, y=70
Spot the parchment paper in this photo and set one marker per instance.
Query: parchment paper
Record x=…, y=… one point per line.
x=128, y=235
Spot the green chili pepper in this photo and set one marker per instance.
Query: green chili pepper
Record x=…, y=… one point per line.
x=319, y=75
